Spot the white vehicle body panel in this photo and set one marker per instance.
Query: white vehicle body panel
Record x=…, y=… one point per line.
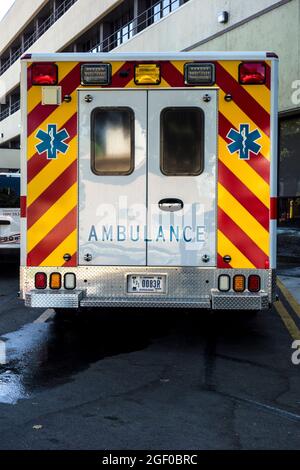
x=120, y=222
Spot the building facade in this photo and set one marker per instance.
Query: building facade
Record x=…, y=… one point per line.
x=165, y=25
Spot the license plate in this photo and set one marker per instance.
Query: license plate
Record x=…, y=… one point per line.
x=140, y=284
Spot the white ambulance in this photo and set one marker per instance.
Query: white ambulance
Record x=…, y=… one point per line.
x=149, y=180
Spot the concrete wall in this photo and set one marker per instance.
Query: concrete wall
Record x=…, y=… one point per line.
x=277, y=30
x=73, y=23
x=18, y=16
x=10, y=127
x=9, y=159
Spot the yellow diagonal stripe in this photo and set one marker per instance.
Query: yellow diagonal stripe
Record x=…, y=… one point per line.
x=236, y=116
x=179, y=64
x=69, y=245
x=52, y=217
x=34, y=96
x=245, y=173
x=50, y=173
x=59, y=117
x=226, y=247
x=243, y=219
x=260, y=93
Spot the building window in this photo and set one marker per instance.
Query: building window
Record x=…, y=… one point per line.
x=182, y=141
x=112, y=141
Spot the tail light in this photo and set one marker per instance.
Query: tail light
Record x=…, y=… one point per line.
x=252, y=73
x=254, y=283
x=44, y=74
x=55, y=281
x=69, y=281
x=239, y=283
x=224, y=283
x=40, y=281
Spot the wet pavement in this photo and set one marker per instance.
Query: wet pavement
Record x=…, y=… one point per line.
x=138, y=379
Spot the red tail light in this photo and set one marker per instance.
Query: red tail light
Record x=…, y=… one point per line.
x=44, y=74
x=254, y=283
x=40, y=281
x=252, y=73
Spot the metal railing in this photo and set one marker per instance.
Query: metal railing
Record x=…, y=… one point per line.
x=10, y=110
x=137, y=24
x=35, y=35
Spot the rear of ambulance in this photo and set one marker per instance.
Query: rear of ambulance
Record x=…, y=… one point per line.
x=149, y=180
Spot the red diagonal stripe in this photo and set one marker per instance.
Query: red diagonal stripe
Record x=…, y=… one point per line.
x=243, y=99
x=41, y=112
x=171, y=74
x=51, y=241
x=123, y=76
x=242, y=194
x=258, y=162
x=239, y=239
x=38, y=162
x=52, y=194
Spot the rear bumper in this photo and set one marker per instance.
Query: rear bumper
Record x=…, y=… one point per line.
x=186, y=288
x=50, y=299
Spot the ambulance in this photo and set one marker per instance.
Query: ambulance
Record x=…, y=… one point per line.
x=9, y=216
x=149, y=180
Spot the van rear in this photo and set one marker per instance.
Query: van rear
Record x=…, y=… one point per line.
x=149, y=180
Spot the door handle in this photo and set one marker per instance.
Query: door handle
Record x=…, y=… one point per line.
x=4, y=222
x=170, y=205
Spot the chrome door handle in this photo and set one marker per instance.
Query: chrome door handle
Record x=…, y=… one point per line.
x=170, y=205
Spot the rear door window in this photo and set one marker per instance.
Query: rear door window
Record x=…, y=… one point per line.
x=182, y=141
x=112, y=141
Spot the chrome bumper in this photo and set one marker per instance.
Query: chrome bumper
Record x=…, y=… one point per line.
x=186, y=288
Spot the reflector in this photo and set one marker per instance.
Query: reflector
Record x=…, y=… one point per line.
x=252, y=73
x=254, y=283
x=239, y=283
x=44, y=74
x=224, y=282
x=40, y=281
x=55, y=281
x=69, y=281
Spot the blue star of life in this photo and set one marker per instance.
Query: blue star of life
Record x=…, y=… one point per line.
x=52, y=141
x=244, y=141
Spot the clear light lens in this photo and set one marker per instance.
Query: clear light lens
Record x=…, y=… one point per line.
x=70, y=281
x=224, y=282
x=252, y=73
x=254, y=283
x=199, y=74
x=239, y=283
x=40, y=281
x=147, y=74
x=44, y=74
x=95, y=74
x=55, y=281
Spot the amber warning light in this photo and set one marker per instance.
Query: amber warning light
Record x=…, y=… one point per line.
x=252, y=73
x=147, y=74
x=44, y=74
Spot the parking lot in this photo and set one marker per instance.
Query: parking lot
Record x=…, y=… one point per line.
x=136, y=379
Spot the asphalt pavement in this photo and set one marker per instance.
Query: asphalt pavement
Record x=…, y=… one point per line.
x=148, y=379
